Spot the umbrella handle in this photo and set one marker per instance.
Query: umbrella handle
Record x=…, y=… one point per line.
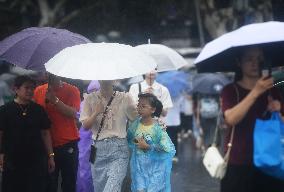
x=46, y=100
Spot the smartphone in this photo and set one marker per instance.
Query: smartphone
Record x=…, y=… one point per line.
x=266, y=73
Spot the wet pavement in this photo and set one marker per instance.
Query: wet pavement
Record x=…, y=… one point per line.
x=189, y=174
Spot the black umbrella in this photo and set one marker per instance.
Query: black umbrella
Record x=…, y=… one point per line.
x=220, y=54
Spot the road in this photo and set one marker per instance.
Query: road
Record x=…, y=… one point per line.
x=189, y=175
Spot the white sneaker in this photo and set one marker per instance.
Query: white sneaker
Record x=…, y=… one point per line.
x=185, y=135
x=189, y=132
x=175, y=159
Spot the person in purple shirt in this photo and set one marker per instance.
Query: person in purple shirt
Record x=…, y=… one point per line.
x=257, y=98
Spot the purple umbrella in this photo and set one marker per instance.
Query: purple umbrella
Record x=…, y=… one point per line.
x=31, y=48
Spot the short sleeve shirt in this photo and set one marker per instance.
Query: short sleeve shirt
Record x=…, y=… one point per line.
x=242, y=148
x=63, y=128
x=173, y=116
x=160, y=91
x=22, y=133
x=120, y=110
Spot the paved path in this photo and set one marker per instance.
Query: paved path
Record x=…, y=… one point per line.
x=188, y=174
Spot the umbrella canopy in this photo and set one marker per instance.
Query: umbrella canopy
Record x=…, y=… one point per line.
x=166, y=58
x=221, y=53
x=134, y=80
x=32, y=47
x=100, y=61
x=209, y=83
x=176, y=81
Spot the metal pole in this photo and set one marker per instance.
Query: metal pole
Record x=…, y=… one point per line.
x=199, y=23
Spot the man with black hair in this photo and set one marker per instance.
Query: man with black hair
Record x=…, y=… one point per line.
x=62, y=102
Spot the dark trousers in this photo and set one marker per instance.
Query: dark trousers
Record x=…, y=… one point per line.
x=25, y=178
x=208, y=126
x=241, y=178
x=173, y=134
x=186, y=122
x=66, y=163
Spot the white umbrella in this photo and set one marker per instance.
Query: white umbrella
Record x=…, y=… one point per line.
x=100, y=61
x=220, y=54
x=134, y=80
x=166, y=58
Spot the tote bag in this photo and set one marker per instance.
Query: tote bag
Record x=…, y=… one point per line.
x=269, y=146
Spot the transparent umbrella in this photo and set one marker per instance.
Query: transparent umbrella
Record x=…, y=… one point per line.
x=167, y=59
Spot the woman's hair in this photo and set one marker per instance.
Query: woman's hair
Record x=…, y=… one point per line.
x=20, y=80
x=154, y=102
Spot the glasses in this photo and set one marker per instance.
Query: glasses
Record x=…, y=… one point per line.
x=143, y=106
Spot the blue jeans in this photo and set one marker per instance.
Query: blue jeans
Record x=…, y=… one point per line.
x=110, y=166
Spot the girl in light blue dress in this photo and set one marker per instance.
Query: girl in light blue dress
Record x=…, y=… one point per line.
x=152, y=149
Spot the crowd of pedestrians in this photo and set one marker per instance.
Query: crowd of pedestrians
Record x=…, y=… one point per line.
x=131, y=135
x=41, y=125
x=136, y=132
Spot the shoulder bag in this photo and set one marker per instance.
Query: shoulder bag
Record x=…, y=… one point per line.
x=93, y=146
x=213, y=161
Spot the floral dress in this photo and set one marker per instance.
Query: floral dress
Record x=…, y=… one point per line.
x=150, y=169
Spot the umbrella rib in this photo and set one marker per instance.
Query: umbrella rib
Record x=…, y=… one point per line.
x=18, y=42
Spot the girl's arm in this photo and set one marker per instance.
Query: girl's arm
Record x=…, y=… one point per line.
x=141, y=143
x=165, y=144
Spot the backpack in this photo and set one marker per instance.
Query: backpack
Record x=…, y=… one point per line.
x=209, y=107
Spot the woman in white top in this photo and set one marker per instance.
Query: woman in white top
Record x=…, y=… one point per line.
x=112, y=155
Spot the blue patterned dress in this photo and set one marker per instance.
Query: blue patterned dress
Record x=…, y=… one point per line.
x=150, y=169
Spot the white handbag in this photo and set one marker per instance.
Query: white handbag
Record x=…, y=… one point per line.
x=213, y=161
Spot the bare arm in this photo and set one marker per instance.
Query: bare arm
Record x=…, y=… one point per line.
x=89, y=122
x=47, y=141
x=130, y=107
x=65, y=109
x=48, y=145
x=234, y=115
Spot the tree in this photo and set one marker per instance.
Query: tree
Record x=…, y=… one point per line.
x=221, y=16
